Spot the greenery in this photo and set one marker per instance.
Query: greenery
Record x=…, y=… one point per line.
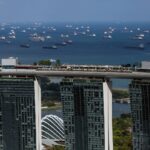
x=122, y=136
x=55, y=148
x=58, y=63
x=34, y=63
x=50, y=91
x=48, y=104
x=120, y=93
x=48, y=63
x=44, y=62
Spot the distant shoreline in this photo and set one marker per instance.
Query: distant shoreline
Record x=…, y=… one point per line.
x=57, y=106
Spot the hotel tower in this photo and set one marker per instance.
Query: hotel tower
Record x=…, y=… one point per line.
x=140, y=111
x=20, y=114
x=87, y=111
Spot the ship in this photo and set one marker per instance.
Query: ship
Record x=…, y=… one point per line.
x=25, y=45
x=69, y=41
x=138, y=37
x=50, y=47
x=108, y=37
x=61, y=44
x=139, y=47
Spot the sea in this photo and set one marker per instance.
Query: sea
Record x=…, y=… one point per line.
x=91, y=43
x=85, y=48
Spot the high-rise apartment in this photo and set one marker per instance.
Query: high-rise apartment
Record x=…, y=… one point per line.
x=87, y=112
x=20, y=114
x=140, y=111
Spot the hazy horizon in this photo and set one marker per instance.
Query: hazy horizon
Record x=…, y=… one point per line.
x=60, y=11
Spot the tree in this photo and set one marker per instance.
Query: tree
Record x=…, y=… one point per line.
x=122, y=133
x=58, y=63
x=44, y=62
x=35, y=63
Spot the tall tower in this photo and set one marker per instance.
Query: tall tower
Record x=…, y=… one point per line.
x=20, y=114
x=140, y=111
x=87, y=112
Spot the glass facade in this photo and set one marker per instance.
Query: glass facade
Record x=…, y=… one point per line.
x=140, y=110
x=52, y=128
x=83, y=111
x=17, y=114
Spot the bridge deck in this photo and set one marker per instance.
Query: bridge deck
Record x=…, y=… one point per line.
x=124, y=75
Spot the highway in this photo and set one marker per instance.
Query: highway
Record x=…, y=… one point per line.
x=66, y=73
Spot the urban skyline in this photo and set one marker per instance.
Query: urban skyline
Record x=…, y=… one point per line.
x=85, y=99
x=100, y=43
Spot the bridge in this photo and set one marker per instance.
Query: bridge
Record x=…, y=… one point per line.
x=73, y=73
x=139, y=94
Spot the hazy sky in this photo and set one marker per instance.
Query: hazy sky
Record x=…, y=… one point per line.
x=74, y=10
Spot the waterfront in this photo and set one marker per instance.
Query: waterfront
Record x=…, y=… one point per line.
x=88, y=43
x=98, y=50
x=118, y=109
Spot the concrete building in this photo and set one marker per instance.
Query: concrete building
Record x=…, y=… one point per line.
x=87, y=111
x=20, y=114
x=9, y=63
x=145, y=65
x=140, y=111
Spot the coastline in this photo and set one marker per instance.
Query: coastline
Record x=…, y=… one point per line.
x=57, y=106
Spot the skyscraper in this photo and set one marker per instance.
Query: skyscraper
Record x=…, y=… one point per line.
x=140, y=111
x=20, y=114
x=87, y=112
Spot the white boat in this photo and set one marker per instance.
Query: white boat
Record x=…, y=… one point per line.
x=12, y=31
x=107, y=36
x=68, y=26
x=138, y=29
x=137, y=38
x=2, y=28
x=12, y=36
x=37, y=38
x=53, y=29
x=2, y=38
x=83, y=33
x=48, y=37
x=141, y=35
x=75, y=33
x=93, y=35
x=146, y=31
x=105, y=32
x=50, y=47
x=28, y=28
x=69, y=41
x=125, y=28
x=64, y=35
x=23, y=31
x=87, y=30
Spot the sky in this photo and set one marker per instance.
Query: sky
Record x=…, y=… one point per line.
x=75, y=10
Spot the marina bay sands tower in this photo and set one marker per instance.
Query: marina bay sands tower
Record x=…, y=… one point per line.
x=87, y=111
x=20, y=113
x=140, y=111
